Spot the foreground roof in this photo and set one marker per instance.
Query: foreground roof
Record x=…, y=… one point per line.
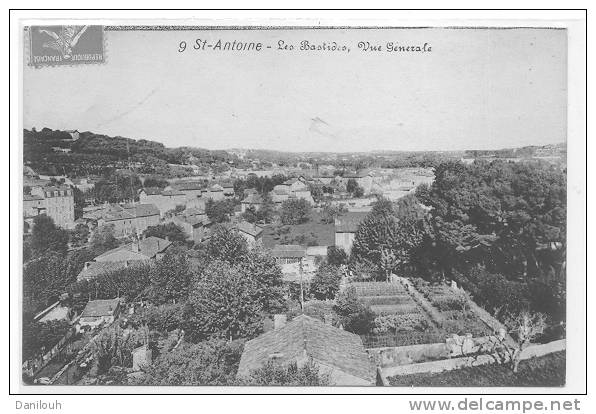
x=308, y=337
x=349, y=222
x=100, y=307
x=148, y=247
x=249, y=228
x=288, y=250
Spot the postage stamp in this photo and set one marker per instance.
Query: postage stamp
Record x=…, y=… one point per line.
x=66, y=45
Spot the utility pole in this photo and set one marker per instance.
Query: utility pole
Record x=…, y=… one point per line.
x=301, y=285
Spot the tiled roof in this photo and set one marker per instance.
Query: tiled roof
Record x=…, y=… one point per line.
x=188, y=186
x=306, y=336
x=249, y=228
x=151, y=190
x=288, y=250
x=349, y=222
x=171, y=193
x=253, y=199
x=28, y=197
x=148, y=247
x=142, y=210
x=96, y=269
x=100, y=307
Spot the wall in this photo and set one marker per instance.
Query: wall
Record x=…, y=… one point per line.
x=462, y=362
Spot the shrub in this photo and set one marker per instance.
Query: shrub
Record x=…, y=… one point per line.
x=354, y=315
x=400, y=323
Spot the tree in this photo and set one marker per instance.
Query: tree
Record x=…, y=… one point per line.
x=168, y=231
x=330, y=212
x=212, y=362
x=223, y=304
x=227, y=245
x=40, y=337
x=389, y=236
x=295, y=211
x=103, y=238
x=47, y=237
x=290, y=375
x=79, y=236
x=336, y=256
x=325, y=283
x=170, y=278
x=219, y=211
x=354, y=315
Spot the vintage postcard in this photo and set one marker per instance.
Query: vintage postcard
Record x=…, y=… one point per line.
x=357, y=205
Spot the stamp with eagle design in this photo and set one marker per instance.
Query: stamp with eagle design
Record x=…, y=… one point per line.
x=65, y=45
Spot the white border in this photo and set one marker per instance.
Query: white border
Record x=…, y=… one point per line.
x=576, y=172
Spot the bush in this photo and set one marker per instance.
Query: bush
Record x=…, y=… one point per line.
x=401, y=323
x=325, y=282
x=354, y=315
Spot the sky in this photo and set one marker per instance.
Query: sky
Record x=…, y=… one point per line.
x=476, y=89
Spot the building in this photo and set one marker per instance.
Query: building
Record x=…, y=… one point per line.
x=252, y=200
x=190, y=189
x=164, y=200
x=144, y=249
x=252, y=233
x=340, y=355
x=215, y=192
x=288, y=253
x=56, y=202
x=150, y=248
x=99, y=312
x=197, y=227
x=127, y=219
x=346, y=227
x=364, y=179
x=83, y=184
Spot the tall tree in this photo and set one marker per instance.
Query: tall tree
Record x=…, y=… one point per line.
x=45, y=236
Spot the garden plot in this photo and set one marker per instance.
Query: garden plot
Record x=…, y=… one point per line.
x=454, y=307
x=399, y=319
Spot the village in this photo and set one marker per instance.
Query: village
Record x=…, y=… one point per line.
x=341, y=301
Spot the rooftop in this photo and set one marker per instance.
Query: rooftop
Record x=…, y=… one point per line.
x=249, y=228
x=100, y=307
x=148, y=247
x=349, y=222
x=306, y=336
x=288, y=250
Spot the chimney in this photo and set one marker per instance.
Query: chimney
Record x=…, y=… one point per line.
x=135, y=247
x=279, y=321
x=328, y=319
x=87, y=265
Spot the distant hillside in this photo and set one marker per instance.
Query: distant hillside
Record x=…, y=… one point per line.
x=55, y=152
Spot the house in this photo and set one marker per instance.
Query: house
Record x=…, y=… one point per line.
x=164, y=200
x=56, y=202
x=278, y=196
x=99, y=312
x=288, y=253
x=215, y=192
x=346, y=227
x=252, y=200
x=190, y=189
x=228, y=190
x=144, y=249
x=195, y=226
x=123, y=256
x=252, y=233
x=83, y=184
x=127, y=219
x=364, y=178
x=340, y=355
x=55, y=312
x=74, y=135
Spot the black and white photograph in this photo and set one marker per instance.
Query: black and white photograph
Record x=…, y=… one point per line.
x=207, y=205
